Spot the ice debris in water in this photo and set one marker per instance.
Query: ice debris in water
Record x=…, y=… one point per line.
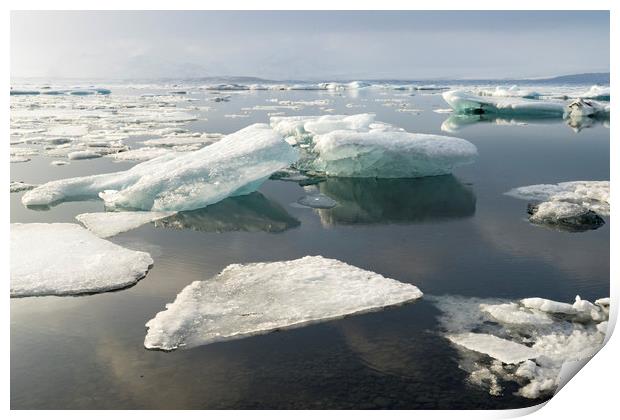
x=525, y=342
x=109, y=224
x=236, y=165
x=83, y=154
x=17, y=186
x=357, y=146
x=66, y=259
x=141, y=154
x=601, y=93
x=513, y=92
x=572, y=206
x=250, y=299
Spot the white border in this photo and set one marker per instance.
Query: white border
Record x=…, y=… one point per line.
x=592, y=394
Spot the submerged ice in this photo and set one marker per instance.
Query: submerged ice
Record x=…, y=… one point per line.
x=359, y=146
x=109, y=224
x=66, y=259
x=236, y=165
x=250, y=299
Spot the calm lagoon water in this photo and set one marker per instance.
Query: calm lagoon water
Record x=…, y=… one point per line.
x=449, y=235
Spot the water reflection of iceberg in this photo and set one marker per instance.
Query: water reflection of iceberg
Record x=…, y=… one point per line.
x=411, y=200
x=456, y=122
x=248, y=213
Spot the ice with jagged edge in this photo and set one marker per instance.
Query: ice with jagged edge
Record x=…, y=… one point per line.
x=250, y=299
x=600, y=93
x=512, y=92
x=465, y=102
x=525, y=341
x=66, y=259
x=236, y=165
x=18, y=186
x=567, y=203
x=108, y=224
x=358, y=146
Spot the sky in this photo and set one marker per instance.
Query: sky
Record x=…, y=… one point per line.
x=319, y=45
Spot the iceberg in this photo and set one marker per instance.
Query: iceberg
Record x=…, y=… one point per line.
x=526, y=342
x=572, y=206
x=109, y=224
x=357, y=146
x=236, y=165
x=251, y=299
x=467, y=103
x=582, y=108
x=66, y=259
x=247, y=213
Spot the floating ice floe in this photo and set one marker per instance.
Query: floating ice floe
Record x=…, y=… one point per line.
x=251, y=299
x=573, y=206
x=506, y=348
x=17, y=186
x=59, y=163
x=467, y=103
x=236, y=165
x=66, y=259
x=109, y=224
x=357, y=146
x=183, y=141
x=247, y=213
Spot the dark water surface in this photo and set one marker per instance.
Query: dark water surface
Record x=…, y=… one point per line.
x=447, y=235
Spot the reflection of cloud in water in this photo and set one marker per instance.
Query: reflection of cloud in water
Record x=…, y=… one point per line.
x=412, y=200
x=248, y=213
x=454, y=123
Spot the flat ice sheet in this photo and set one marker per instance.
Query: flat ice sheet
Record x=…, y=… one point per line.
x=250, y=299
x=66, y=259
x=505, y=351
x=108, y=224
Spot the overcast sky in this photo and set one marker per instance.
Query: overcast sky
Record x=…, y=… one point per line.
x=308, y=45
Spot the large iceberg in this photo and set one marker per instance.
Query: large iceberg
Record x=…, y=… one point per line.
x=236, y=165
x=467, y=103
x=573, y=206
x=250, y=299
x=357, y=146
x=524, y=342
x=66, y=259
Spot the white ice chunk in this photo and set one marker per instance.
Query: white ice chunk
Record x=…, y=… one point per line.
x=236, y=165
x=468, y=103
x=511, y=92
x=550, y=306
x=66, y=259
x=68, y=131
x=83, y=154
x=109, y=224
x=511, y=313
x=505, y=351
x=250, y=299
x=59, y=162
x=601, y=93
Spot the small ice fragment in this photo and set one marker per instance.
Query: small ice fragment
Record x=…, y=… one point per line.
x=317, y=201
x=83, y=154
x=550, y=306
x=511, y=313
x=17, y=186
x=250, y=299
x=109, y=224
x=59, y=162
x=66, y=259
